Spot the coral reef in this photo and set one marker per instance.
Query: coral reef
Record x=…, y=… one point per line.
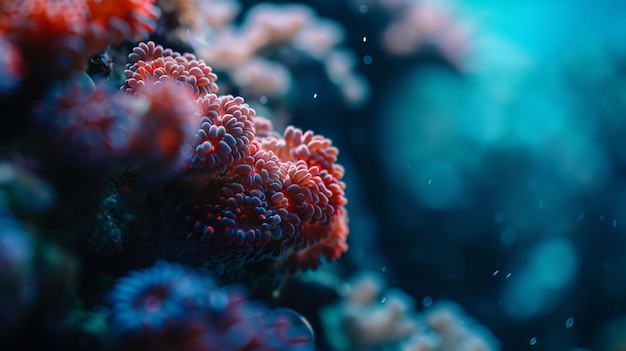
x=170, y=175
x=161, y=168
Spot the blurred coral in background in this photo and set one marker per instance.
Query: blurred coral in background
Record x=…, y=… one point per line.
x=171, y=175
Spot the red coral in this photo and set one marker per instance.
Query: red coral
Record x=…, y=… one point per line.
x=314, y=149
x=11, y=70
x=226, y=129
x=259, y=194
x=306, y=201
x=47, y=31
x=330, y=247
x=151, y=63
x=65, y=33
x=165, y=129
x=112, y=21
x=85, y=123
x=234, y=218
x=97, y=126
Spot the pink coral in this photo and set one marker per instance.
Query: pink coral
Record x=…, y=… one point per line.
x=47, y=30
x=152, y=64
x=314, y=149
x=299, y=207
x=257, y=196
x=67, y=32
x=112, y=21
x=331, y=244
x=85, y=123
x=164, y=130
x=225, y=130
x=11, y=66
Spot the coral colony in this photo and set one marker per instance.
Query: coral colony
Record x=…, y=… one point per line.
x=141, y=209
x=246, y=193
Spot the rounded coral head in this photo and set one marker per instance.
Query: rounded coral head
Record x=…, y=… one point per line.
x=151, y=63
x=171, y=307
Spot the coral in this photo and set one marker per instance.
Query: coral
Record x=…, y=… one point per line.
x=112, y=21
x=315, y=150
x=163, y=131
x=372, y=317
x=169, y=306
x=257, y=55
x=67, y=32
x=446, y=328
x=84, y=123
x=11, y=70
x=130, y=165
x=296, y=205
x=153, y=300
x=424, y=23
x=151, y=64
x=93, y=125
x=329, y=245
x=226, y=129
x=235, y=221
x=48, y=30
x=254, y=198
x=18, y=287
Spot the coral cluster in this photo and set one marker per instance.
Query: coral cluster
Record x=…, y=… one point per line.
x=252, y=55
x=168, y=306
x=99, y=177
x=66, y=33
x=371, y=317
x=258, y=197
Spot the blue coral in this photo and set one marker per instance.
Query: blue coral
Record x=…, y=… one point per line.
x=18, y=286
x=169, y=305
x=155, y=299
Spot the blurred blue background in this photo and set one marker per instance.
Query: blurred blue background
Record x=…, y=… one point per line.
x=489, y=165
